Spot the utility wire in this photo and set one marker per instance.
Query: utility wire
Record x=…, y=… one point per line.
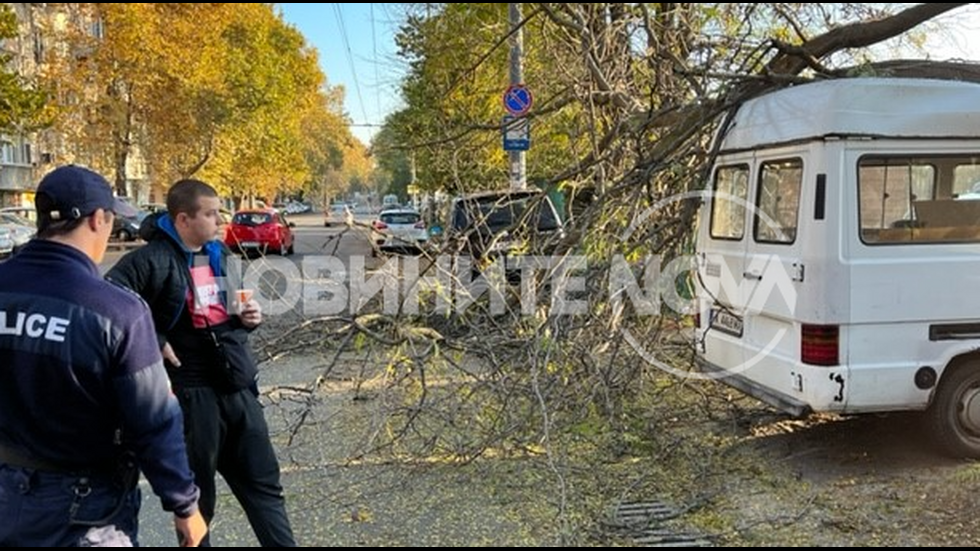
x=377, y=79
x=350, y=58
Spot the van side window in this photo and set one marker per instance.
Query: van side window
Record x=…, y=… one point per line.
x=730, y=194
x=778, y=204
x=922, y=199
x=966, y=180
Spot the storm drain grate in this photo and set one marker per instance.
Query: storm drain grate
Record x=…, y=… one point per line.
x=644, y=523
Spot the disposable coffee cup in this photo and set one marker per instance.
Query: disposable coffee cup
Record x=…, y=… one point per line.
x=241, y=297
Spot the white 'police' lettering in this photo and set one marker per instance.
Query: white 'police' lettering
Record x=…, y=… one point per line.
x=35, y=326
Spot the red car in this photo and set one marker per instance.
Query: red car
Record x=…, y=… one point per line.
x=260, y=230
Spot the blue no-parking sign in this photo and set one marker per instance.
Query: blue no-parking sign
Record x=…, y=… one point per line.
x=517, y=100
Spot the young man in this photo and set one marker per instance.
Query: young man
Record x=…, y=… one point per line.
x=84, y=398
x=182, y=273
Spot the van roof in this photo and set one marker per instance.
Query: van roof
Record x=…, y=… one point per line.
x=874, y=107
x=477, y=195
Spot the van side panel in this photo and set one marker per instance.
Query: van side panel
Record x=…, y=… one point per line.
x=898, y=292
x=885, y=299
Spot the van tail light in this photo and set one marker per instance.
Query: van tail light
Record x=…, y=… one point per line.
x=820, y=344
x=697, y=319
x=420, y=225
x=379, y=225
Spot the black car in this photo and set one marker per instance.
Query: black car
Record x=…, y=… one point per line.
x=490, y=225
x=126, y=227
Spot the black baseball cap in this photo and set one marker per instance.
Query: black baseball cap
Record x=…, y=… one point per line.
x=71, y=192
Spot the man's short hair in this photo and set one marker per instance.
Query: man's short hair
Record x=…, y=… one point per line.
x=183, y=197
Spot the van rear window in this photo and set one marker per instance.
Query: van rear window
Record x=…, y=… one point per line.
x=497, y=213
x=778, y=206
x=728, y=200
x=919, y=199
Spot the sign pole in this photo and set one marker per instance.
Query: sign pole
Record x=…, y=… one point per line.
x=518, y=161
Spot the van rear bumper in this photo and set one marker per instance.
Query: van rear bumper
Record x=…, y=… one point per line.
x=780, y=401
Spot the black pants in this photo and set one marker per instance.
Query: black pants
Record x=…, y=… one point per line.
x=227, y=433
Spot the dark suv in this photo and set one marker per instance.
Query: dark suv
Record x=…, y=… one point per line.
x=493, y=224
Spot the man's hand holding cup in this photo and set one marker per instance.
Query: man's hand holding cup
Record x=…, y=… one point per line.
x=248, y=309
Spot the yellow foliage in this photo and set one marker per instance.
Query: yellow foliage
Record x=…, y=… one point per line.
x=222, y=92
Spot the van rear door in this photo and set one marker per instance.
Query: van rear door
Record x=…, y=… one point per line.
x=774, y=270
x=722, y=255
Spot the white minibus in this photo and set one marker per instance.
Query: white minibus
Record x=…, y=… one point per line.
x=839, y=252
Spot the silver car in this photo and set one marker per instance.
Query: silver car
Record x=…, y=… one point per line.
x=6, y=243
x=21, y=230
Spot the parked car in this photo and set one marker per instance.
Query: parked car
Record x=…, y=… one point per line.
x=297, y=207
x=399, y=230
x=27, y=213
x=816, y=291
x=389, y=201
x=126, y=227
x=6, y=243
x=338, y=213
x=21, y=230
x=127, y=209
x=261, y=231
x=493, y=225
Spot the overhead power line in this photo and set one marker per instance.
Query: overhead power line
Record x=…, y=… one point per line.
x=350, y=57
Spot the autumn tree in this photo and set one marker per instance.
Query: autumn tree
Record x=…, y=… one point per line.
x=217, y=91
x=22, y=104
x=141, y=86
x=627, y=100
x=394, y=164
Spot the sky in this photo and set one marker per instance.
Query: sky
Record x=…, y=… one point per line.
x=959, y=37
x=357, y=50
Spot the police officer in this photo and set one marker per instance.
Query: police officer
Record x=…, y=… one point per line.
x=84, y=398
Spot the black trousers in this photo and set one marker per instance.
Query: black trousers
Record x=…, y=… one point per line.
x=227, y=433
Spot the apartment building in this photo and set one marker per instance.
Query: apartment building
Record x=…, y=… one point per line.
x=19, y=158
x=25, y=158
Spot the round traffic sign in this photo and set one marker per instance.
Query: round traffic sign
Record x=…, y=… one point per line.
x=517, y=100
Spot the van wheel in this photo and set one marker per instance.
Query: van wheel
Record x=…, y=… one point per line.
x=124, y=235
x=955, y=411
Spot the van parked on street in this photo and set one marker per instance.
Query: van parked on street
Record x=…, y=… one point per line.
x=839, y=252
x=494, y=226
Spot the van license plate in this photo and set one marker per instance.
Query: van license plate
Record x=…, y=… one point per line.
x=726, y=322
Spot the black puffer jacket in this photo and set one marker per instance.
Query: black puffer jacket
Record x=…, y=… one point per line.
x=160, y=273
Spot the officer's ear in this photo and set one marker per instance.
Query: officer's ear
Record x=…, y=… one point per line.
x=99, y=218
